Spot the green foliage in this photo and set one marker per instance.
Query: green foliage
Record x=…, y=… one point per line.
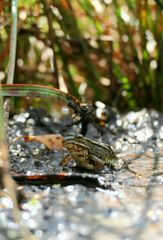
x=160, y=3
x=105, y=51
x=26, y=3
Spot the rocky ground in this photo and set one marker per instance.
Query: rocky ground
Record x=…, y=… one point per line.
x=130, y=208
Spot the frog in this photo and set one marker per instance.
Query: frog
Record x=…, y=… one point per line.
x=81, y=154
x=92, y=155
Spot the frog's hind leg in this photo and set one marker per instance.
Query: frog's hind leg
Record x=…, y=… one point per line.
x=65, y=160
x=96, y=162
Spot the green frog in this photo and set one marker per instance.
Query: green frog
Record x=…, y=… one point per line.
x=91, y=155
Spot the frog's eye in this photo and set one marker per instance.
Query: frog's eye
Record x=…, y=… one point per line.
x=79, y=137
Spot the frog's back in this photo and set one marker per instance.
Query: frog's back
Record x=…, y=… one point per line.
x=102, y=151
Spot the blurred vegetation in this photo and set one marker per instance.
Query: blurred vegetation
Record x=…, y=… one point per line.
x=104, y=50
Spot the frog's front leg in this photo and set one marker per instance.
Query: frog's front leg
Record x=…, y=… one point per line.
x=65, y=160
x=126, y=165
x=121, y=163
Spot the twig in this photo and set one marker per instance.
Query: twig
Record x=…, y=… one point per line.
x=64, y=179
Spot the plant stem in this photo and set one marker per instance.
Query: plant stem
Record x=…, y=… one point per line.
x=13, y=40
x=52, y=38
x=12, y=55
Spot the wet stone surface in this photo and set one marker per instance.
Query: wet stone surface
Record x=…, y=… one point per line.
x=131, y=209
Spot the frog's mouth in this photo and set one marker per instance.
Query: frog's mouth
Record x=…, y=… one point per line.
x=68, y=142
x=69, y=138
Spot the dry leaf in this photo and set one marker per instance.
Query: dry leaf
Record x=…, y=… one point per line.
x=51, y=141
